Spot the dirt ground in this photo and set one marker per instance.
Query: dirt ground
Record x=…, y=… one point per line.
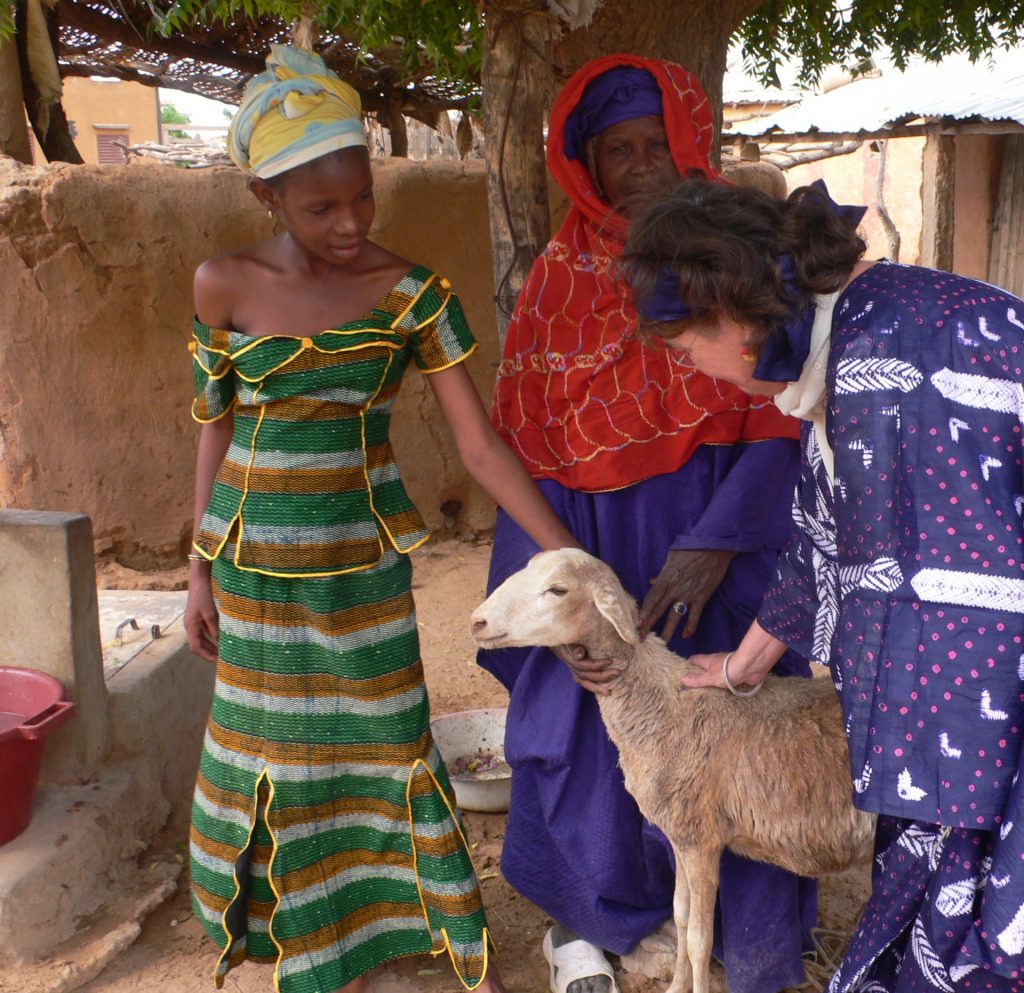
x=172, y=954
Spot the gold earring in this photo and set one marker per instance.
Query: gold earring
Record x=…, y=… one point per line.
x=749, y=355
x=270, y=214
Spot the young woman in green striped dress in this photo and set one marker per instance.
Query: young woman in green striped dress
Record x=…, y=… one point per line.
x=324, y=839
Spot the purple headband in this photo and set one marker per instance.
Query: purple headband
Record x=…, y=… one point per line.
x=784, y=352
x=620, y=94
x=663, y=305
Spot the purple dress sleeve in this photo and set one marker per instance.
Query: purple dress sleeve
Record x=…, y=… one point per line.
x=749, y=509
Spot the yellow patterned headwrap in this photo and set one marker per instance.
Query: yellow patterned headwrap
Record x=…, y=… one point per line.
x=294, y=112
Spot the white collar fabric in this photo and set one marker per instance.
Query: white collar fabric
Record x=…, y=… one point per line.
x=806, y=398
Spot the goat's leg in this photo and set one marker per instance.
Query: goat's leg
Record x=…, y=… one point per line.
x=700, y=867
x=682, y=978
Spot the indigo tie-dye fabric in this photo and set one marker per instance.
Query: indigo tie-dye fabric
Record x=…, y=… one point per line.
x=905, y=574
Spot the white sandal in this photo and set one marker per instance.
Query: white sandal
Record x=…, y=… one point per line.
x=574, y=960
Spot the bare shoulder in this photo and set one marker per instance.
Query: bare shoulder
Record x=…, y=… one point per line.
x=219, y=283
x=385, y=263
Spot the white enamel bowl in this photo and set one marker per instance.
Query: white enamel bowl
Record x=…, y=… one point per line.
x=464, y=737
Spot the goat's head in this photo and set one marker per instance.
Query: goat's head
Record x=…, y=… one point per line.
x=564, y=597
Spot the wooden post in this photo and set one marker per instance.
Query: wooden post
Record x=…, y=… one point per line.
x=1006, y=259
x=938, y=189
x=14, y=140
x=394, y=121
x=516, y=77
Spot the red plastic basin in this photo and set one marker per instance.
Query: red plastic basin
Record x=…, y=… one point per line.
x=32, y=704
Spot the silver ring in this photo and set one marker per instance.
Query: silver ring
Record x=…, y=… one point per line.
x=680, y=608
x=728, y=682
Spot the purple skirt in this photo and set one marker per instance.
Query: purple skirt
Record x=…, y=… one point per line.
x=922, y=930
x=576, y=844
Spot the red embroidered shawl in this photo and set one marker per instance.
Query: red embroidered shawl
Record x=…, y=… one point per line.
x=578, y=397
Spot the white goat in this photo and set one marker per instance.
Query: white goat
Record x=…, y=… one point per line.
x=765, y=776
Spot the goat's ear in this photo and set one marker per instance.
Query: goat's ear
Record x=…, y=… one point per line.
x=618, y=611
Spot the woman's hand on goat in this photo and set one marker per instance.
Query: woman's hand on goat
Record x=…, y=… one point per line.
x=713, y=675
x=688, y=577
x=748, y=665
x=593, y=675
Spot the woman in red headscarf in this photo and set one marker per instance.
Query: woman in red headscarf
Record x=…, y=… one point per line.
x=683, y=485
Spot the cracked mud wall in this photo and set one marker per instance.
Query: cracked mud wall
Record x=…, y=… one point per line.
x=96, y=270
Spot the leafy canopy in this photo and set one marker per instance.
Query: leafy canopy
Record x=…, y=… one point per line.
x=169, y=114
x=815, y=34
x=444, y=37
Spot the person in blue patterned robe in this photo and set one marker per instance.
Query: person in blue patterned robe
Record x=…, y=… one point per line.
x=905, y=569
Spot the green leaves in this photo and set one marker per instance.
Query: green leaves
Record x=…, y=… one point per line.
x=6, y=19
x=431, y=37
x=443, y=37
x=817, y=34
x=444, y=34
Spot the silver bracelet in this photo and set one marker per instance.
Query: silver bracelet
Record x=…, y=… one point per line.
x=728, y=682
x=196, y=557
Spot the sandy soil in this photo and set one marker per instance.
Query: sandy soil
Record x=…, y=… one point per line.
x=172, y=954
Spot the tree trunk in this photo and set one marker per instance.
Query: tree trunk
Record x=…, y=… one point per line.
x=398, y=130
x=54, y=136
x=696, y=35
x=939, y=193
x=516, y=79
x=389, y=116
x=892, y=233
x=14, y=140
x=525, y=61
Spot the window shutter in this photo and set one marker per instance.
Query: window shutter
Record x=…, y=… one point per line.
x=109, y=152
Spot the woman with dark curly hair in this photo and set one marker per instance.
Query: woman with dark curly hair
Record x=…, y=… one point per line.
x=903, y=572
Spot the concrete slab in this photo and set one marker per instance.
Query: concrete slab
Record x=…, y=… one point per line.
x=159, y=704
x=131, y=619
x=80, y=852
x=79, y=873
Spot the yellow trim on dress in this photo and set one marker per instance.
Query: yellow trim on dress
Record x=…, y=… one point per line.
x=306, y=342
x=218, y=977
x=366, y=471
x=270, y=879
x=309, y=575
x=412, y=303
x=245, y=484
x=231, y=940
x=446, y=946
x=205, y=347
x=209, y=420
x=210, y=374
x=462, y=358
x=323, y=351
x=402, y=550
x=231, y=356
x=437, y=313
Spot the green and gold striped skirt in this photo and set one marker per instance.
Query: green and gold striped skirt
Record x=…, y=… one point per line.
x=324, y=836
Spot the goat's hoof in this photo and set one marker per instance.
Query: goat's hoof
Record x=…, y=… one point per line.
x=681, y=984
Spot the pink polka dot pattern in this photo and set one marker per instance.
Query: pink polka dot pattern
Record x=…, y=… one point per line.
x=904, y=572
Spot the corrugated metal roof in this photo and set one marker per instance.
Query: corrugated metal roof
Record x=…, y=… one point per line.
x=991, y=89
